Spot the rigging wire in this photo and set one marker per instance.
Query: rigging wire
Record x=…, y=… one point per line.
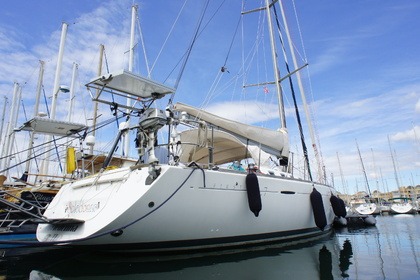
x=221, y=71
x=38, y=149
x=144, y=48
x=184, y=63
x=53, y=137
x=302, y=137
x=167, y=37
x=197, y=35
x=231, y=44
x=305, y=59
x=112, y=95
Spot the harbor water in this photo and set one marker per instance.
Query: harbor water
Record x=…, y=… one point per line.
x=389, y=250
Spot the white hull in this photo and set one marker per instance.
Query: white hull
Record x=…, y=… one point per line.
x=365, y=208
x=402, y=208
x=172, y=215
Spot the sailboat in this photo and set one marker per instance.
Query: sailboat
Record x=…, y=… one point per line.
x=367, y=207
x=192, y=201
x=400, y=205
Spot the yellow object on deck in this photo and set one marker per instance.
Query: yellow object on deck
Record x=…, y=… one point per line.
x=70, y=160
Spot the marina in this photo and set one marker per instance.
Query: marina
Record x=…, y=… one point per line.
x=159, y=173
x=133, y=203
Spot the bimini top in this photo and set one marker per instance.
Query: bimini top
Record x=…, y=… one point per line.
x=127, y=84
x=52, y=127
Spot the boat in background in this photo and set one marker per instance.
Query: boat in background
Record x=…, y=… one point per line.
x=363, y=206
x=192, y=201
x=22, y=203
x=23, y=199
x=402, y=205
x=366, y=208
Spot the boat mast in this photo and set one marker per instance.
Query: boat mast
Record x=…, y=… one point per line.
x=321, y=177
x=55, y=91
x=343, y=182
x=72, y=86
x=374, y=168
x=275, y=67
x=364, y=171
x=126, y=139
x=36, y=111
x=2, y=118
x=395, y=168
x=95, y=103
x=8, y=147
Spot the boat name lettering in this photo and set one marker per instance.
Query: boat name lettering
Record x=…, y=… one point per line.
x=80, y=207
x=65, y=227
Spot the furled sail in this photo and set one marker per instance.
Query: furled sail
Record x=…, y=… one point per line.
x=274, y=142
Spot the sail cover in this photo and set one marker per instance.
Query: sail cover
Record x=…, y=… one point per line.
x=272, y=141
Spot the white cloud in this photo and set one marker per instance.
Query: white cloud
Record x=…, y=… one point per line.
x=251, y=112
x=407, y=135
x=417, y=107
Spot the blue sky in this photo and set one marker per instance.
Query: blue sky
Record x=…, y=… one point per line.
x=363, y=56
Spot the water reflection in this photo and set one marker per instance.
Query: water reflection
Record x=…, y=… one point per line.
x=345, y=255
x=388, y=251
x=325, y=263
x=317, y=259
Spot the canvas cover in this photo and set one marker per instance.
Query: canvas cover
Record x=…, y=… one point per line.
x=271, y=141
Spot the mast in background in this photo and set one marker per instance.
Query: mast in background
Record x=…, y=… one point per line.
x=2, y=119
x=10, y=135
x=36, y=111
x=343, y=181
x=72, y=86
x=364, y=170
x=126, y=138
x=55, y=92
x=395, y=167
x=95, y=103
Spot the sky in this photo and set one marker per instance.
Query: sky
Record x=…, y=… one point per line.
x=362, y=82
